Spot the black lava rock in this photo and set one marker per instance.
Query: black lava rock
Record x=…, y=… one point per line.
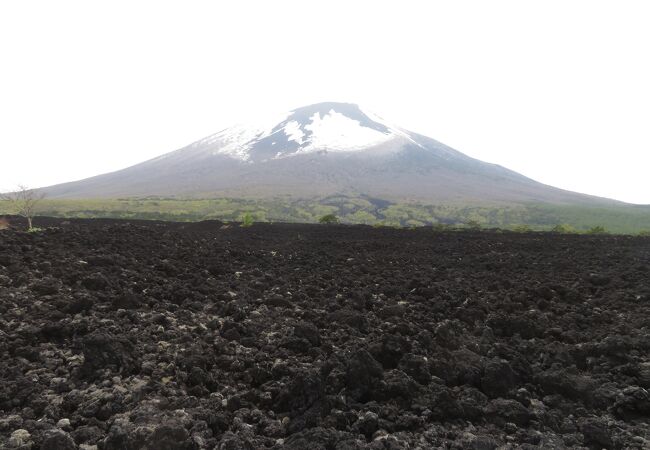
x=105, y=351
x=363, y=374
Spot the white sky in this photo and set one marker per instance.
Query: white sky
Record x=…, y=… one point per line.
x=556, y=90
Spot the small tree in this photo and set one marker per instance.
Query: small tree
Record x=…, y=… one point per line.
x=329, y=219
x=23, y=202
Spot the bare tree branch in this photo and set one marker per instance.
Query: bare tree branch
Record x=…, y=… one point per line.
x=23, y=201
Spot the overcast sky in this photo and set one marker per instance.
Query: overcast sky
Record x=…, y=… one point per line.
x=556, y=90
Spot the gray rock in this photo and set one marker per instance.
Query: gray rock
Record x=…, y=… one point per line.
x=19, y=438
x=64, y=424
x=58, y=440
x=10, y=422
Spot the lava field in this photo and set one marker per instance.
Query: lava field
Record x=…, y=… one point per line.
x=147, y=335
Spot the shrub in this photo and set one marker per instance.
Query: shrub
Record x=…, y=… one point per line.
x=441, y=227
x=563, y=228
x=645, y=233
x=597, y=230
x=522, y=229
x=329, y=219
x=247, y=220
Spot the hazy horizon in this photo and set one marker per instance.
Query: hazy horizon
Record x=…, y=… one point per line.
x=557, y=92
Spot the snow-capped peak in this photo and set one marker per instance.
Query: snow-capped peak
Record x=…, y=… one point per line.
x=336, y=127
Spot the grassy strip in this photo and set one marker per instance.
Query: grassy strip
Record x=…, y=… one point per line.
x=616, y=219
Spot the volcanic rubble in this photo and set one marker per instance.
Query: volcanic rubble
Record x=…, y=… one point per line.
x=126, y=335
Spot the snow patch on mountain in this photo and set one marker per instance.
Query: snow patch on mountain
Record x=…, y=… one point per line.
x=336, y=127
x=293, y=132
x=336, y=132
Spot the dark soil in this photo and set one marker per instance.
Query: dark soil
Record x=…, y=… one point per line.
x=127, y=335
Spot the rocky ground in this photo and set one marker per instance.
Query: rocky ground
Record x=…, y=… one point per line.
x=118, y=335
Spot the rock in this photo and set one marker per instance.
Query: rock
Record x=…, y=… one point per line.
x=127, y=300
x=170, y=436
x=56, y=330
x=596, y=432
x=471, y=441
x=502, y=411
x=99, y=261
x=644, y=375
x=198, y=377
x=64, y=424
x=232, y=334
x=46, y=286
x=632, y=402
x=119, y=436
x=19, y=438
x=58, y=440
x=10, y=422
x=391, y=350
x=87, y=434
x=446, y=334
x=160, y=319
x=417, y=367
x=598, y=279
x=351, y=318
x=104, y=351
x=316, y=438
x=298, y=345
x=95, y=282
x=440, y=402
x=574, y=386
x=367, y=424
x=465, y=368
x=473, y=402
x=280, y=301
x=230, y=441
x=498, y=378
x=363, y=373
x=82, y=302
x=308, y=331
x=390, y=311
x=304, y=390
x=399, y=386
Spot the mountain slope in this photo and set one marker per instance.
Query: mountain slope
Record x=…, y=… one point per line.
x=315, y=151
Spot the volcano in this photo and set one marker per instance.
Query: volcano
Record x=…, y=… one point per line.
x=315, y=151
